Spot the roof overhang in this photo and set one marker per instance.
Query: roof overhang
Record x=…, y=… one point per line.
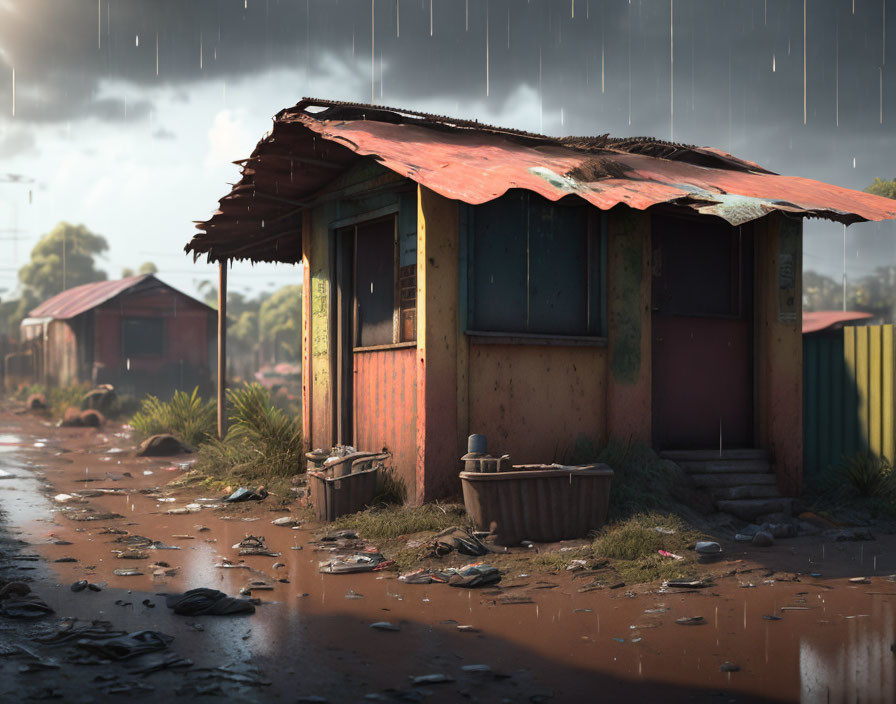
x=315, y=141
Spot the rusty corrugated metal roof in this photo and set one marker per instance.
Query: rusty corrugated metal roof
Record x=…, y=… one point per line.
x=75, y=301
x=829, y=319
x=80, y=299
x=313, y=142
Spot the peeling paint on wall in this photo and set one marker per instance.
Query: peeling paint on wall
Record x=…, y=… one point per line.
x=625, y=309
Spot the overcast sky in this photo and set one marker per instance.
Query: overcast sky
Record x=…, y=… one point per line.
x=124, y=115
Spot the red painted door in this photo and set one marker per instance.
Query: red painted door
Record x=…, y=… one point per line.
x=702, y=327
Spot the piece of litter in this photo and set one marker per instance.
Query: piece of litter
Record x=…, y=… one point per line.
x=690, y=621
x=476, y=668
x=384, y=626
x=666, y=553
x=432, y=679
x=729, y=667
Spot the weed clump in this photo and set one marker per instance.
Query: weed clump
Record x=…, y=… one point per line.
x=386, y=522
x=642, y=481
x=186, y=416
x=865, y=482
x=263, y=443
x=59, y=398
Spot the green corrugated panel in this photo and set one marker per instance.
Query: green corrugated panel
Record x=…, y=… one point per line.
x=825, y=420
x=810, y=405
x=838, y=408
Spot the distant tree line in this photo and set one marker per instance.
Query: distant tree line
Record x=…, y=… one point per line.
x=261, y=330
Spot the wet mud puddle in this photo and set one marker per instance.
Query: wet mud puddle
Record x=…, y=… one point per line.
x=532, y=638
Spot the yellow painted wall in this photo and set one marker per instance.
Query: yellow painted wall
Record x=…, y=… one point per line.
x=438, y=339
x=629, y=373
x=779, y=348
x=538, y=403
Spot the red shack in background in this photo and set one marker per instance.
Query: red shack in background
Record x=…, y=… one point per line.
x=138, y=334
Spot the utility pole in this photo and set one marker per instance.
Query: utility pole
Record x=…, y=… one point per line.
x=844, y=267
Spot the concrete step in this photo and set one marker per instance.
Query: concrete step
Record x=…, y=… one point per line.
x=720, y=466
x=731, y=479
x=709, y=455
x=749, y=491
x=749, y=509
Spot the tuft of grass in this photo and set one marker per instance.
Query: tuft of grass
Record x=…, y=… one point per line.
x=387, y=522
x=633, y=546
x=863, y=482
x=642, y=481
x=263, y=444
x=186, y=416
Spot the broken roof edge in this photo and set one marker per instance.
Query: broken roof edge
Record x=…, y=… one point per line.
x=472, y=162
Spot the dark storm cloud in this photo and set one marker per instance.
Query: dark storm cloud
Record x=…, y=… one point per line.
x=605, y=69
x=62, y=51
x=163, y=133
x=15, y=142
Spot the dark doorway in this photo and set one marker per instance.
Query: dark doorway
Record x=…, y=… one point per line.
x=702, y=327
x=366, y=309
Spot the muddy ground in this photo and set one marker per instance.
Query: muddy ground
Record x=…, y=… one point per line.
x=310, y=639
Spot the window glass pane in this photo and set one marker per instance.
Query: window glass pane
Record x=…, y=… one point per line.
x=695, y=267
x=142, y=337
x=530, y=267
x=498, y=252
x=375, y=282
x=558, y=269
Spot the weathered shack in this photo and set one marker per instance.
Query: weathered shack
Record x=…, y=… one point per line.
x=550, y=293
x=138, y=334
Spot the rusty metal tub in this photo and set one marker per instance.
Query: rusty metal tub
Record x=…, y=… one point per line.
x=347, y=485
x=543, y=503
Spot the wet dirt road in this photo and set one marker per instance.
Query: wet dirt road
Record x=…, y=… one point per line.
x=312, y=638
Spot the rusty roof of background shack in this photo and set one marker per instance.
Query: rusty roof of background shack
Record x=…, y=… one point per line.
x=315, y=141
x=74, y=301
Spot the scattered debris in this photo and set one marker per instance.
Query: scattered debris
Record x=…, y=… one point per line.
x=690, y=621
x=243, y=494
x=384, y=626
x=204, y=601
x=255, y=545
x=162, y=445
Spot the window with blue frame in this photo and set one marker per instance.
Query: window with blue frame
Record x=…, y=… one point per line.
x=535, y=267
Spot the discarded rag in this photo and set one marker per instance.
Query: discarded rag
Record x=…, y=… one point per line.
x=204, y=601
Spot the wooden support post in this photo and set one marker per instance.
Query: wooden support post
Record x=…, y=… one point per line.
x=222, y=348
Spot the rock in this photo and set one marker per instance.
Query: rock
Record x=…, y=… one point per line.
x=777, y=517
x=806, y=528
x=780, y=530
x=36, y=402
x=71, y=418
x=100, y=399
x=91, y=418
x=763, y=540
x=849, y=534
x=162, y=445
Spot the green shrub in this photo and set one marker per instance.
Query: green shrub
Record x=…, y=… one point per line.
x=186, y=416
x=863, y=474
x=59, y=398
x=385, y=522
x=263, y=444
x=642, y=480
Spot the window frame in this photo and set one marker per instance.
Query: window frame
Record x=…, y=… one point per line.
x=595, y=278
x=125, y=319
x=399, y=274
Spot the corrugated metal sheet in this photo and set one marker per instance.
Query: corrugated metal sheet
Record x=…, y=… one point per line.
x=385, y=407
x=80, y=299
x=849, y=387
x=825, y=319
x=315, y=140
x=75, y=301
